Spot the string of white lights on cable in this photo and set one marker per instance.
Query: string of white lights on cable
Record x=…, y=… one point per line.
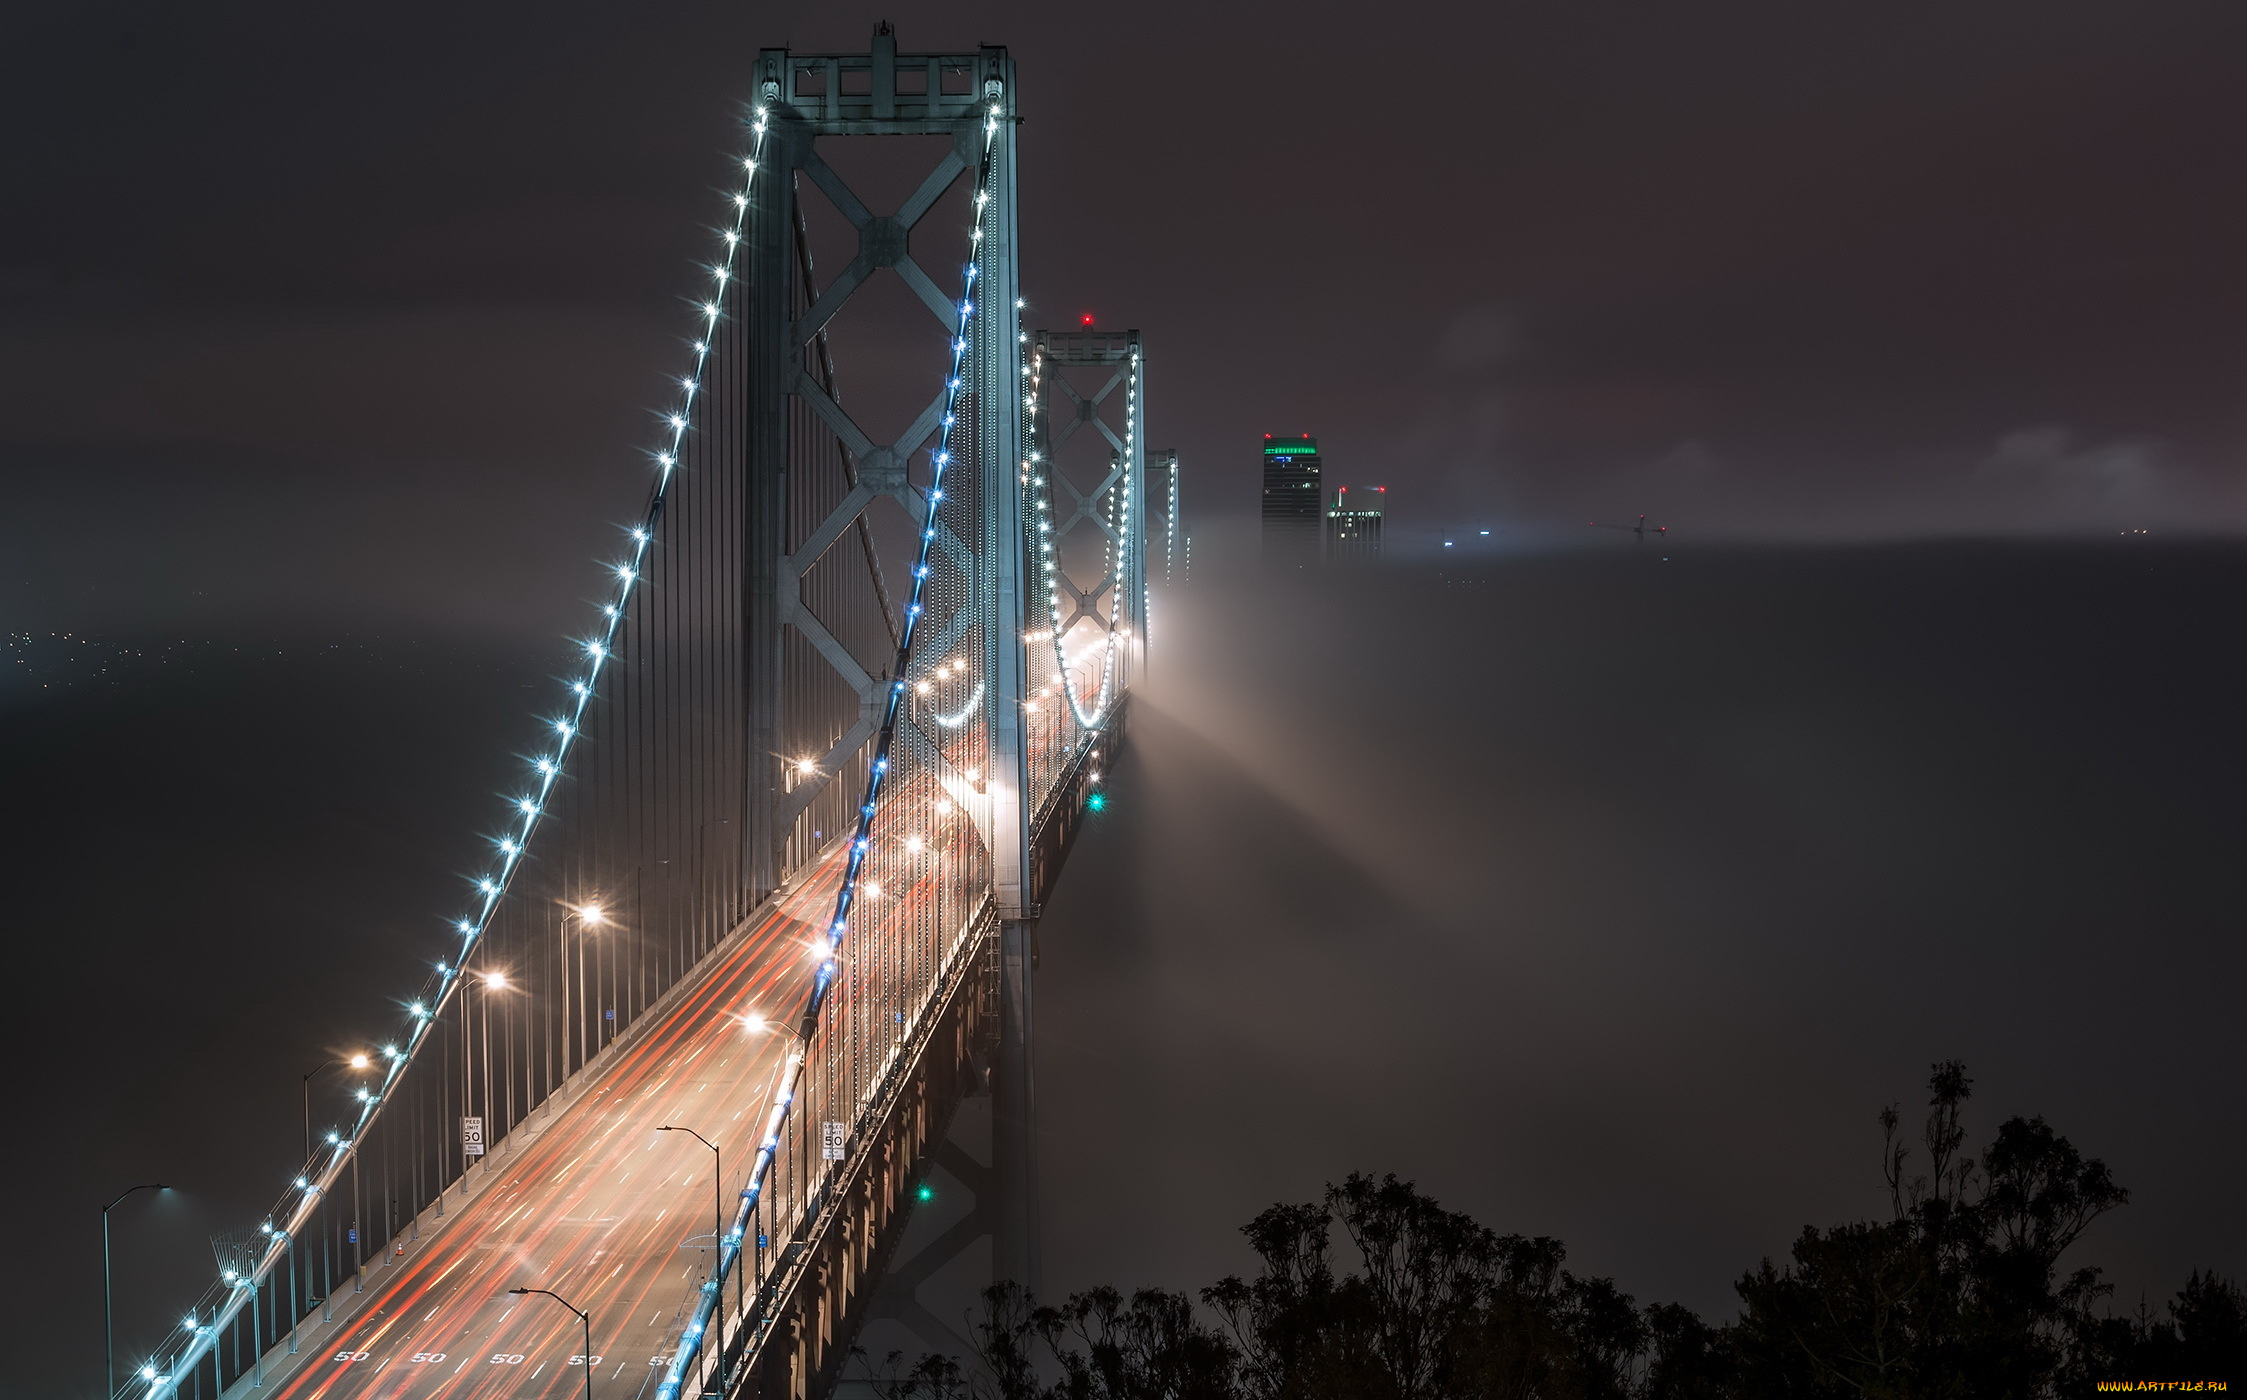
x=974, y=703
x=226, y=1297
x=791, y=1077
x=1038, y=527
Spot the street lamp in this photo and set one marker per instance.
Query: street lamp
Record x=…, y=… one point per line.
x=584, y=1317
x=108, y=1335
x=587, y=916
x=717, y=1226
x=358, y=1062
x=493, y=982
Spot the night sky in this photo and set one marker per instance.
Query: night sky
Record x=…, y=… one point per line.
x=1607, y=890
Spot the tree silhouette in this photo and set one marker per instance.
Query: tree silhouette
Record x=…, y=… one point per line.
x=1376, y=1292
x=1958, y=1294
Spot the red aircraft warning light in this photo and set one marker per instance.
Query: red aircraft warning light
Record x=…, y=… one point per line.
x=1088, y=318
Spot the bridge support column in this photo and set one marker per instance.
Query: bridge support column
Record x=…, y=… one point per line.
x=773, y=370
x=1014, y=1213
x=1014, y=1119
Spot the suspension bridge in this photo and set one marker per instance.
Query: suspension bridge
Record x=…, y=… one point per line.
x=668, y=1114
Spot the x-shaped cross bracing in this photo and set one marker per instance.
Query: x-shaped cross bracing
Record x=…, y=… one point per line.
x=1085, y=603
x=882, y=468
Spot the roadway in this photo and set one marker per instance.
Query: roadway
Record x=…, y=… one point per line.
x=597, y=1206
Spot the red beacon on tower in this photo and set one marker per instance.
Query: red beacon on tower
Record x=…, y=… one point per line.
x=1088, y=320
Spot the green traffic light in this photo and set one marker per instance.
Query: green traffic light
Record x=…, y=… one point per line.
x=925, y=1193
x=1097, y=802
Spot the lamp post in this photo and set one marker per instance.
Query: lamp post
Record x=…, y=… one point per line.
x=717, y=1231
x=108, y=1335
x=358, y=1061
x=587, y=916
x=583, y=1317
x=493, y=982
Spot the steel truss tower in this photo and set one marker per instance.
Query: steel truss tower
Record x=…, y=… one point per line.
x=884, y=93
x=1114, y=600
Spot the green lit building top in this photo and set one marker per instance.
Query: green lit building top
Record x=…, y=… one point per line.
x=1292, y=501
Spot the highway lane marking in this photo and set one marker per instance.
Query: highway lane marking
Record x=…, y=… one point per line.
x=521, y=1191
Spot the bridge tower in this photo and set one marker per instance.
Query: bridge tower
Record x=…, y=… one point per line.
x=808, y=99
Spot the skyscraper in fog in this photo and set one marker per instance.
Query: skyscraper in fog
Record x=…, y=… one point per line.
x=1291, y=501
x=1353, y=527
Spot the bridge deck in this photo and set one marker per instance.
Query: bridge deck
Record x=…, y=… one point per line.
x=592, y=1202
